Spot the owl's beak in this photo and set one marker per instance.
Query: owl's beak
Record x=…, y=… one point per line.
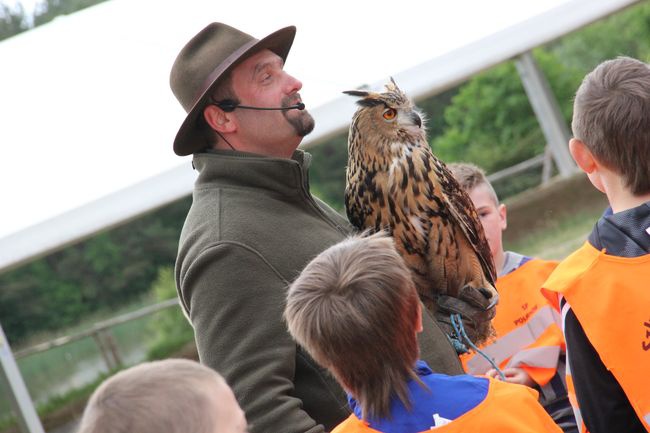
x=415, y=117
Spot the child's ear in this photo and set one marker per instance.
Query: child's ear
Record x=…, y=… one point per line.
x=582, y=155
x=418, y=320
x=503, y=216
x=587, y=163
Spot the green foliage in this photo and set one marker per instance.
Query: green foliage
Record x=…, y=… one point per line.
x=104, y=272
x=625, y=33
x=328, y=171
x=171, y=329
x=12, y=20
x=53, y=8
x=491, y=122
x=434, y=109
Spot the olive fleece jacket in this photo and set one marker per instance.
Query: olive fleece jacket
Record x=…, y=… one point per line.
x=252, y=228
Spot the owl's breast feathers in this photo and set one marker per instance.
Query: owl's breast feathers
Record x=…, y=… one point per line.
x=411, y=193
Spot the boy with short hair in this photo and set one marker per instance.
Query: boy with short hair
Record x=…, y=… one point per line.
x=171, y=396
x=602, y=288
x=529, y=346
x=355, y=309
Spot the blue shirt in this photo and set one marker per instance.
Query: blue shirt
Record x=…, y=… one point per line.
x=447, y=396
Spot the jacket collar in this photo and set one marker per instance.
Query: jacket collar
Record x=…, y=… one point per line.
x=623, y=234
x=240, y=169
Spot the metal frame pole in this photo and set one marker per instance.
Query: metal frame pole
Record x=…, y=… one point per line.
x=547, y=112
x=28, y=420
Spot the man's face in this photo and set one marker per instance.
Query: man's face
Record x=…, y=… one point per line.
x=260, y=81
x=492, y=216
x=229, y=416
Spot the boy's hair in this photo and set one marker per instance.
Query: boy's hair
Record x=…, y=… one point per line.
x=354, y=309
x=170, y=396
x=469, y=176
x=611, y=116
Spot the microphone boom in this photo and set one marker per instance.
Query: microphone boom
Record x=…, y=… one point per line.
x=229, y=106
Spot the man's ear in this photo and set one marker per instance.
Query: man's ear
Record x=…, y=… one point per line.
x=219, y=120
x=582, y=155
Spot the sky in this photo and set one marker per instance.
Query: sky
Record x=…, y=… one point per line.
x=86, y=106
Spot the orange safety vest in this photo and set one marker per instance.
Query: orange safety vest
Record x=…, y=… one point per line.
x=506, y=408
x=527, y=327
x=610, y=297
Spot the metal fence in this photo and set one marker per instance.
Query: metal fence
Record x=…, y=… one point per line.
x=101, y=334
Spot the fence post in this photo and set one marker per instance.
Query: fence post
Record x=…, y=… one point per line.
x=97, y=336
x=548, y=112
x=112, y=347
x=547, y=167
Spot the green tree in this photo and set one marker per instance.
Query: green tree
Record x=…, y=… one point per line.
x=626, y=33
x=491, y=122
x=106, y=271
x=327, y=173
x=171, y=329
x=12, y=20
x=434, y=110
x=53, y=8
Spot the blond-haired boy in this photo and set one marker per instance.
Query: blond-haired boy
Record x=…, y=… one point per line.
x=529, y=347
x=171, y=396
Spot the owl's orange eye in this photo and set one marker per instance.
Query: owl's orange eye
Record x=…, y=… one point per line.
x=390, y=114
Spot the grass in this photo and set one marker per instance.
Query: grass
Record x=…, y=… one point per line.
x=43, y=370
x=559, y=239
x=72, y=400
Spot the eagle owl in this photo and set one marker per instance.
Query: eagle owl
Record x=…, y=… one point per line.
x=395, y=183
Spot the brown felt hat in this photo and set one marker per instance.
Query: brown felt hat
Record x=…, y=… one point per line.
x=206, y=59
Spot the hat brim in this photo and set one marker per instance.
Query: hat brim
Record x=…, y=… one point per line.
x=189, y=139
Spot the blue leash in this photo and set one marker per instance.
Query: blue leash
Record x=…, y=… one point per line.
x=459, y=330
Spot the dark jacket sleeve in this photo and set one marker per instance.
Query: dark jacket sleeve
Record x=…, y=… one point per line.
x=435, y=347
x=603, y=404
x=236, y=301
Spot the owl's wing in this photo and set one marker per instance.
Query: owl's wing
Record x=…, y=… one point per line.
x=463, y=213
x=354, y=207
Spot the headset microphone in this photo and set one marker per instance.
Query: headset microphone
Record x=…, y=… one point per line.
x=230, y=105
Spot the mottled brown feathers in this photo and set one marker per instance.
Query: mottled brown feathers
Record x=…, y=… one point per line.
x=395, y=183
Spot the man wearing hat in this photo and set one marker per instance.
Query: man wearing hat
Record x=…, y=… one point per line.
x=254, y=225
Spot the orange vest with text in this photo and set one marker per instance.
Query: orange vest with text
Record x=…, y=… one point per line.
x=610, y=297
x=527, y=328
x=507, y=408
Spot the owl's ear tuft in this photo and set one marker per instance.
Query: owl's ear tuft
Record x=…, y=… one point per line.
x=359, y=93
x=392, y=86
x=370, y=99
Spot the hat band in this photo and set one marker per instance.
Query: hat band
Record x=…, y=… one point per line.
x=214, y=75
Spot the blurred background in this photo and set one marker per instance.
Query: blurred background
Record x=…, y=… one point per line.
x=75, y=312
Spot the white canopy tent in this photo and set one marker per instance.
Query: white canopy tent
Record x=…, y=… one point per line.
x=88, y=118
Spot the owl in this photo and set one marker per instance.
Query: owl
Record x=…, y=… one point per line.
x=395, y=183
